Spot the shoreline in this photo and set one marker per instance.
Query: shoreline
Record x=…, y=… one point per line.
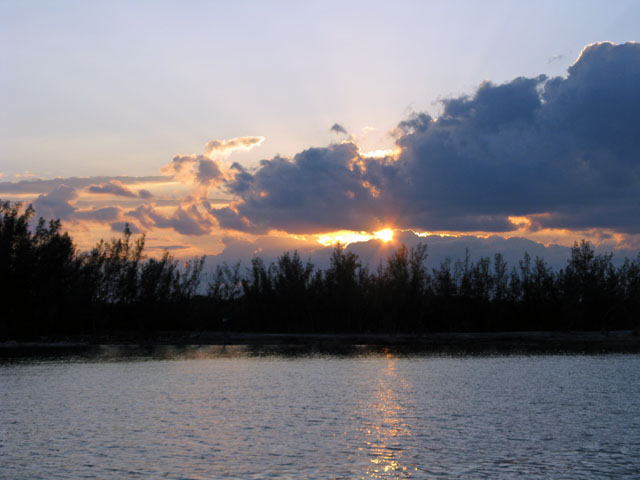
x=344, y=343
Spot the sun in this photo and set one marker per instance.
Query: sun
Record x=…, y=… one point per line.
x=385, y=235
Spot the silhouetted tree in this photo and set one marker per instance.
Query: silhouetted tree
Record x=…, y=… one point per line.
x=37, y=272
x=500, y=282
x=343, y=282
x=48, y=287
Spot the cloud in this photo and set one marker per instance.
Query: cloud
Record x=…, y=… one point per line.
x=203, y=171
x=225, y=147
x=119, y=227
x=338, y=129
x=181, y=167
x=57, y=203
x=112, y=188
x=373, y=252
x=169, y=247
x=102, y=215
x=184, y=220
x=321, y=189
x=62, y=201
x=197, y=170
x=555, y=58
x=564, y=151
x=269, y=248
x=207, y=172
x=439, y=248
x=39, y=186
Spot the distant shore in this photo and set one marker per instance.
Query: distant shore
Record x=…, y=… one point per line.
x=435, y=343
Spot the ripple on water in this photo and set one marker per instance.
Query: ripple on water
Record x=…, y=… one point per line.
x=377, y=416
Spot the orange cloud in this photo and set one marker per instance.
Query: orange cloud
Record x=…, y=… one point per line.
x=225, y=147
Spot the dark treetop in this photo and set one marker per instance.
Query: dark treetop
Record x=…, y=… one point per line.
x=49, y=288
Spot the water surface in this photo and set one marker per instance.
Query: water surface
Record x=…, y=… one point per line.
x=237, y=415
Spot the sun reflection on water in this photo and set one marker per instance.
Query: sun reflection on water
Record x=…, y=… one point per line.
x=387, y=428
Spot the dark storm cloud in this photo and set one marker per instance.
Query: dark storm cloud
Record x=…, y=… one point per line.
x=566, y=149
x=565, y=146
x=321, y=189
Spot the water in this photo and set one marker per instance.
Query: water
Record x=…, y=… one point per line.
x=364, y=416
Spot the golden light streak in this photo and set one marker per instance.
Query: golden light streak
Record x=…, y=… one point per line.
x=344, y=237
x=439, y=234
x=150, y=185
x=18, y=196
x=521, y=222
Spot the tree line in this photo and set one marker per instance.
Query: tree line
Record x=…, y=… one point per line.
x=49, y=287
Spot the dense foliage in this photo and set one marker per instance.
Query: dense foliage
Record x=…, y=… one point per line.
x=49, y=288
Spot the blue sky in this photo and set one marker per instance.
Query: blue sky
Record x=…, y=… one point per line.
x=106, y=89
x=117, y=88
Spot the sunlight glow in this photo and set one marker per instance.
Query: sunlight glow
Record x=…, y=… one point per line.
x=377, y=154
x=439, y=234
x=521, y=222
x=385, y=235
x=391, y=421
x=393, y=153
x=345, y=237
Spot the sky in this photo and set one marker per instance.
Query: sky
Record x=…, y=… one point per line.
x=240, y=128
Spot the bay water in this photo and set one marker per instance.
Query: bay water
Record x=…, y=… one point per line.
x=237, y=414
